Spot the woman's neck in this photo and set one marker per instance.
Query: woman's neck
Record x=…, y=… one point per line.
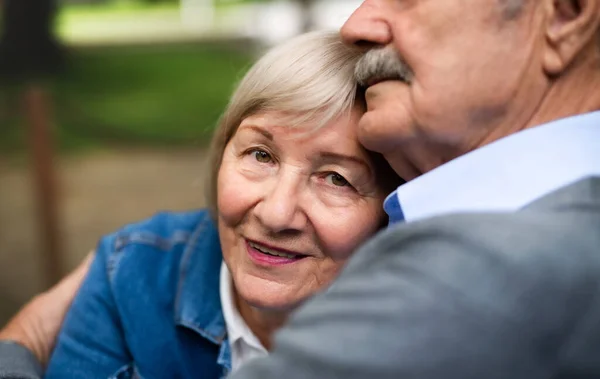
x=261, y=322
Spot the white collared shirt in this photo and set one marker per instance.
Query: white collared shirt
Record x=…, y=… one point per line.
x=505, y=175
x=244, y=345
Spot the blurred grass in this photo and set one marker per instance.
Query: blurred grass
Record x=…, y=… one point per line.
x=135, y=96
x=77, y=20
x=151, y=95
x=85, y=21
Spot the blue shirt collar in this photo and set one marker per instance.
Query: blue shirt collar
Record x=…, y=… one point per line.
x=504, y=175
x=198, y=303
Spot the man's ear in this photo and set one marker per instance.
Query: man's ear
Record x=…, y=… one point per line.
x=572, y=28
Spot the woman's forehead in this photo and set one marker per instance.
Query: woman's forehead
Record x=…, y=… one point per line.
x=336, y=139
x=304, y=122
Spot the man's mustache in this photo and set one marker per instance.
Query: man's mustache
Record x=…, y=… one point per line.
x=379, y=64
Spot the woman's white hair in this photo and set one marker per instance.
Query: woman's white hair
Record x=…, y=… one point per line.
x=309, y=78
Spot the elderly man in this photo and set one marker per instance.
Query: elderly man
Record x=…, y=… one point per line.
x=492, y=270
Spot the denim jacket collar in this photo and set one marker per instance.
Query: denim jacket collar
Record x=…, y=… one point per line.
x=198, y=303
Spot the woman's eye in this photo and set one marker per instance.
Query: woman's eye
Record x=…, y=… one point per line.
x=337, y=180
x=261, y=156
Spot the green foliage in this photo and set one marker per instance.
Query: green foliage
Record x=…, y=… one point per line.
x=173, y=95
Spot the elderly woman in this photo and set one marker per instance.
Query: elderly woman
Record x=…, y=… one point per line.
x=292, y=195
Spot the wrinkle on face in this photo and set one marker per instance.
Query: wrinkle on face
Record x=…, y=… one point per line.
x=335, y=220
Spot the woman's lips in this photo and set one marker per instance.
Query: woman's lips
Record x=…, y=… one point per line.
x=269, y=256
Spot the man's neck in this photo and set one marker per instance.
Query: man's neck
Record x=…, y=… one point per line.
x=573, y=94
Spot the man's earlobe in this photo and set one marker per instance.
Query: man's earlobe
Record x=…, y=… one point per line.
x=571, y=31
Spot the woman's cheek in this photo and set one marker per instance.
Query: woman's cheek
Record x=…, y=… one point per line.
x=237, y=196
x=230, y=193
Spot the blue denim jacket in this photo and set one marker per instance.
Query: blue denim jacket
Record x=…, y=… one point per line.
x=150, y=306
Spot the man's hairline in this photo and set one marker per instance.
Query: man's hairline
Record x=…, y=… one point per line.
x=511, y=9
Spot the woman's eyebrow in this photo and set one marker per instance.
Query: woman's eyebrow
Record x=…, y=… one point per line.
x=259, y=130
x=336, y=157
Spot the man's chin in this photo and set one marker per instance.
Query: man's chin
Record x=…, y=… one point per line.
x=378, y=81
x=402, y=166
x=377, y=134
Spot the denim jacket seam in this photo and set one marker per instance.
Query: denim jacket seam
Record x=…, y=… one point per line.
x=144, y=237
x=129, y=369
x=123, y=241
x=122, y=370
x=189, y=250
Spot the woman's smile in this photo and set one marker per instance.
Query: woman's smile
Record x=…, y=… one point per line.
x=269, y=255
x=293, y=205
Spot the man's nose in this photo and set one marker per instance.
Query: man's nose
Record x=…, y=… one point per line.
x=367, y=27
x=279, y=210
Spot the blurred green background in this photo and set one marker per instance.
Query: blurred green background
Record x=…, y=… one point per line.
x=144, y=96
x=156, y=94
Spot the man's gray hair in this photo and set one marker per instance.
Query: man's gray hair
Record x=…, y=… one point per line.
x=511, y=9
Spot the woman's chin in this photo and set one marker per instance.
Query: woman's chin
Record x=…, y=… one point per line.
x=267, y=295
x=272, y=305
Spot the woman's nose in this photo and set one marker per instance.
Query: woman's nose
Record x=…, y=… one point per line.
x=279, y=210
x=367, y=26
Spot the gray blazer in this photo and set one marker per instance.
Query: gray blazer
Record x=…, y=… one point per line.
x=482, y=296
x=479, y=296
x=16, y=362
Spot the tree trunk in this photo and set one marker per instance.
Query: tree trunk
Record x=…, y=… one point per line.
x=28, y=48
x=28, y=54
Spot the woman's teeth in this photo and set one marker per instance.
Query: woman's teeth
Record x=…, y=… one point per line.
x=268, y=251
